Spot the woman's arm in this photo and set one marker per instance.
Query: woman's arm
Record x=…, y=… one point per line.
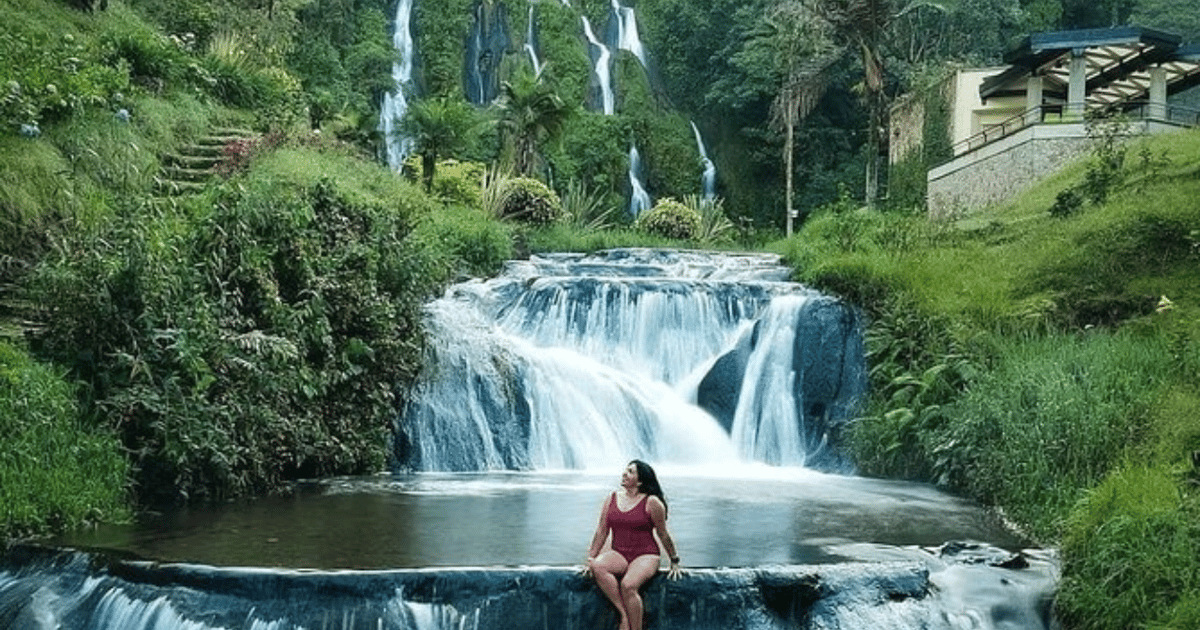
x=658, y=515
x=601, y=531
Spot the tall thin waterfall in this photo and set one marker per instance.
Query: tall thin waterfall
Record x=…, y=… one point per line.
x=708, y=180
x=531, y=47
x=602, y=68
x=568, y=362
x=627, y=31
x=639, y=200
x=395, y=104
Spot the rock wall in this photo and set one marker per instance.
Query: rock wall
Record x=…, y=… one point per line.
x=999, y=171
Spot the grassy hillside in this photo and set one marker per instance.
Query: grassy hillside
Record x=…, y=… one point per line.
x=1048, y=364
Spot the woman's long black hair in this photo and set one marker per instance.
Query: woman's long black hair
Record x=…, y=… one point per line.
x=648, y=481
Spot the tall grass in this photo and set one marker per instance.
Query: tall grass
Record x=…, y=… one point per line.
x=1052, y=417
x=1131, y=558
x=55, y=472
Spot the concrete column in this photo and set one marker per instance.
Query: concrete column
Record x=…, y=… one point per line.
x=1077, y=84
x=1033, y=100
x=1158, y=94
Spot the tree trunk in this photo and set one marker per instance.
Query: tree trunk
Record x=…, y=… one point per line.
x=428, y=165
x=788, y=157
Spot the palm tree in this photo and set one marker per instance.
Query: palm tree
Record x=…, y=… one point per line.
x=531, y=115
x=860, y=26
x=440, y=127
x=793, y=37
x=810, y=37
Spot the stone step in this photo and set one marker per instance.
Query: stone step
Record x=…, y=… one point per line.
x=217, y=140
x=172, y=187
x=202, y=150
x=191, y=161
x=185, y=174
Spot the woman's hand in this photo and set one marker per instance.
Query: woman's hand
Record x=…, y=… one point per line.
x=675, y=572
x=586, y=571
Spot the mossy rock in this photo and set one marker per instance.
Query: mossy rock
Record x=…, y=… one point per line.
x=531, y=201
x=670, y=219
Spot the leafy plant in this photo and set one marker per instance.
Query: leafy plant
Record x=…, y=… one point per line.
x=715, y=225
x=530, y=201
x=587, y=210
x=670, y=219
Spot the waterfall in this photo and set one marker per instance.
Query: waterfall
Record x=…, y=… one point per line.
x=531, y=47
x=584, y=362
x=639, y=200
x=602, y=68
x=931, y=591
x=395, y=104
x=627, y=32
x=708, y=181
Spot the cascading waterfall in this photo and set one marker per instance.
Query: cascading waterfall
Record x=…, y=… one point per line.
x=709, y=365
x=395, y=104
x=602, y=69
x=627, y=37
x=585, y=362
x=639, y=200
x=708, y=180
x=531, y=46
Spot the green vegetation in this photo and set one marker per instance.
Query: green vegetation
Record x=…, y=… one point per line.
x=1042, y=357
x=55, y=472
x=1048, y=365
x=670, y=219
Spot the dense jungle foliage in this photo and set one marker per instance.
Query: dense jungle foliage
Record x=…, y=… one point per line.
x=168, y=343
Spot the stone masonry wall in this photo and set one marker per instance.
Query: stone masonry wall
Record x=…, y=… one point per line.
x=999, y=171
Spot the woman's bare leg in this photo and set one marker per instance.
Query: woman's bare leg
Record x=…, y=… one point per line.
x=639, y=572
x=607, y=568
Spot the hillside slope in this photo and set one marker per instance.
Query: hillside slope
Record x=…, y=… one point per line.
x=1047, y=364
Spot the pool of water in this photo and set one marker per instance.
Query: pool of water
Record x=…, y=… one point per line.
x=751, y=516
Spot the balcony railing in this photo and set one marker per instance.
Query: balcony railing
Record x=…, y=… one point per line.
x=1050, y=114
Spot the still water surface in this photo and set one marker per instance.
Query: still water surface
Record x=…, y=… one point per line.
x=718, y=517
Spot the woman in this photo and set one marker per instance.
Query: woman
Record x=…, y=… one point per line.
x=633, y=514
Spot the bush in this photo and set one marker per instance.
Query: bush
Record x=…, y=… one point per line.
x=467, y=241
x=45, y=79
x=55, y=473
x=530, y=201
x=670, y=219
x=260, y=336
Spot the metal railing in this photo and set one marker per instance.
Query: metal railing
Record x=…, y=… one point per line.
x=1132, y=110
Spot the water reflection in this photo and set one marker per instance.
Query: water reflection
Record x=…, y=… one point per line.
x=760, y=516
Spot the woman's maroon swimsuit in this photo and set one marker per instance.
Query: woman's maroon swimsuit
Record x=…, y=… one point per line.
x=632, y=531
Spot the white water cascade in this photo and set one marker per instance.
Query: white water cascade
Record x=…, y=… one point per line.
x=583, y=362
x=602, y=68
x=530, y=47
x=627, y=32
x=708, y=181
x=639, y=201
x=395, y=104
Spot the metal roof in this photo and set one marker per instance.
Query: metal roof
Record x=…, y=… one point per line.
x=1118, y=64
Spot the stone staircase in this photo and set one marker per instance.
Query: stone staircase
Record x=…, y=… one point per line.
x=194, y=166
x=18, y=317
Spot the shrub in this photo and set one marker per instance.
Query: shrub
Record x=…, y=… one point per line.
x=670, y=219
x=468, y=241
x=530, y=201
x=46, y=79
x=258, y=337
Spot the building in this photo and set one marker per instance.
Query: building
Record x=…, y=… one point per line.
x=999, y=130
